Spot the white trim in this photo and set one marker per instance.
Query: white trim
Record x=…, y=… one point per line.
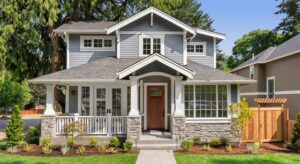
x=91, y=88
x=215, y=52
x=270, y=78
x=184, y=49
x=151, y=22
x=153, y=32
x=118, y=43
x=238, y=93
x=197, y=53
x=68, y=50
x=146, y=12
x=151, y=37
x=141, y=85
x=253, y=93
x=67, y=99
x=152, y=58
x=212, y=34
x=282, y=56
x=91, y=37
x=79, y=99
x=251, y=71
x=50, y=111
x=287, y=92
x=146, y=100
x=77, y=31
x=207, y=120
x=218, y=81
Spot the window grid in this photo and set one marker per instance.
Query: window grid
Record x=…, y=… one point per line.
x=190, y=48
x=101, y=102
x=128, y=99
x=116, y=102
x=107, y=43
x=97, y=43
x=146, y=46
x=85, y=101
x=156, y=45
x=87, y=42
x=199, y=48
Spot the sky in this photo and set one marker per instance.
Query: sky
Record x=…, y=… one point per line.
x=238, y=17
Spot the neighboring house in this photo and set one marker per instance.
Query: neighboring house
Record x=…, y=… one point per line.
x=277, y=71
x=149, y=71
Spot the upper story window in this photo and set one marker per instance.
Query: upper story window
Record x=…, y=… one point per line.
x=251, y=72
x=97, y=43
x=196, y=48
x=271, y=87
x=151, y=44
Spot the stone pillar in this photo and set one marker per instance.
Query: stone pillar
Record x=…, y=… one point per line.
x=178, y=128
x=48, y=127
x=134, y=127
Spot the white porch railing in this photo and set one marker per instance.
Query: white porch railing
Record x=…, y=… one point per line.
x=95, y=125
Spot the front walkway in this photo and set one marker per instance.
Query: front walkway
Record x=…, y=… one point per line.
x=156, y=157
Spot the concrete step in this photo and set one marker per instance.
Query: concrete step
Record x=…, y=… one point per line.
x=164, y=141
x=157, y=147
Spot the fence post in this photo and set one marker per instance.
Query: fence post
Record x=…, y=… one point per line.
x=109, y=124
x=75, y=119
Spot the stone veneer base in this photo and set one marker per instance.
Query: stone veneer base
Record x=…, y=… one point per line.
x=134, y=127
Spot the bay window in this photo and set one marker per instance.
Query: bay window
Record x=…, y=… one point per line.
x=205, y=101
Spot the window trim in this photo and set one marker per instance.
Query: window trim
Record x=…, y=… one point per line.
x=103, y=48
x=197, y=53
x=271, y=78
x=251, y=73
x=162, y=45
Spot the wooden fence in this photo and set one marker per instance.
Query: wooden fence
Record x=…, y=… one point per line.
x=268, y=124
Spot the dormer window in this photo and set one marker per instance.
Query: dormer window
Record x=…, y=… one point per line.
x=97, y=43
x=151, y=44
x=196, y=48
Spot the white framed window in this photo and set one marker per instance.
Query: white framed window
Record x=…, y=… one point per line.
x=251, y=72
x=151, y=44
x=85, y=101
x=196, y=48
x=206, y=101
x=271, y=87
x=97, y=43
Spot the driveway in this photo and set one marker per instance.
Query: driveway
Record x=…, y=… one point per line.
x=27, y=122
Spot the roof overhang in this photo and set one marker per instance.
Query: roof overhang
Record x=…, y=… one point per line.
x=150, y=10
x=211, y=34
x=80, y=31
x=152, y=58
x=221, y=81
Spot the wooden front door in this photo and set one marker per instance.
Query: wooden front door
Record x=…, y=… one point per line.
x=155, y=107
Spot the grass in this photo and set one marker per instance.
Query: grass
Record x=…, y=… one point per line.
x=232, y=159
x=110, y=159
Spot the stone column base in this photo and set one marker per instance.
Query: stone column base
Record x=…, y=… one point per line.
x=48, y=126
x=178, y=130
x=134, y=127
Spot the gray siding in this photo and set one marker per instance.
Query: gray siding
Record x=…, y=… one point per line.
x=234, y=93
x=78, y=57
x=174, y=47
x=73, y=99
x=205, y=60
x=129, y=46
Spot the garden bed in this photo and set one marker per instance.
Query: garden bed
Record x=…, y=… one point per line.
x=267, y=148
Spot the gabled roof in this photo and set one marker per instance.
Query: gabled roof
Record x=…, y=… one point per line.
x=152, y=58
x=210, y=33
x=150, y=10
x=84, y=27
x=289, y=47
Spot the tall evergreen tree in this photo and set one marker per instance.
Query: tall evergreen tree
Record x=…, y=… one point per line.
x=14, y=128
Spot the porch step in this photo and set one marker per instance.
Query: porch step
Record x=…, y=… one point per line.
x=164, y=144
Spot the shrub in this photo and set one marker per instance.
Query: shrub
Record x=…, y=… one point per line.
x=186, y=144
x=46, y=142
x=296, y=130
x=127, y=146
x=34, y=131
x=111, y=150
x=206, y=148
x=3, y=145
x=13, y=149
x=114, y=142
x=196, y=140
x=254, y=148
x=28, y=148
x=80, y=150
x=64, y=150
x=257, y=145
x=215, y=142
x=224, y=141
x=228, y=148
x=101, y=147
x=93, y=142
x=70, y=141
x=47, y=149
x=14, y=128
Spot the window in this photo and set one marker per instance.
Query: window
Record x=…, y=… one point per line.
x=128, y=99
x=116, y=102
x=205, y=101
x=97, y=43
x=271, y=87
x=85, y=101
x=150, y=45
x=100, y=101
x=251, y=72
x=196, y=48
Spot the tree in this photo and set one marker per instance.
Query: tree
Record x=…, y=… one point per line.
x=222, y=60
x=12, y=92
x=290, y=24
x=252, y=44
x=14, y=128
x=296, y=130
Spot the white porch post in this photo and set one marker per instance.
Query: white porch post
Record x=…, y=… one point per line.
x=134, y=96
x=49, y=101
x=179, y=111
x=172, y=96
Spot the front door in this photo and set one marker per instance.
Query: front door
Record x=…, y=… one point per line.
x=155, y=107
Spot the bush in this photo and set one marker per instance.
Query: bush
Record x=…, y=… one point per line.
x=224, y=141
x=34, y=131
x=186, y=144
x=111, y=150
x=47, y=149
x=80, y=150
x=28, y=148
x=228, y=148
x=114, y=142
x=70, y=141
x=215, y=142
x=64, y=150
x=46, y=142
x=257, y=145
x=3, y=145
x=14, y=128
x=296, y=130
x=206, y=148
x=127, y=146
x=93, y=142
x=254, y=148
x=196, y=140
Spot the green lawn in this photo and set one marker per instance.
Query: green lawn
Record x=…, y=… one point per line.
x=224, y=159
x=107, y=159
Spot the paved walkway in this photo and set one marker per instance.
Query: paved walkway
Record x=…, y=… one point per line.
x=156, y=157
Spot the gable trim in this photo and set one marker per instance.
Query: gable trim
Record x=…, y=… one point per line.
x=212, y=34
x=156, y=57
x=150, y=10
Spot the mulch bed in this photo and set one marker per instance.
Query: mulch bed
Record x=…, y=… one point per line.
x=57, y=152
x=267, y=148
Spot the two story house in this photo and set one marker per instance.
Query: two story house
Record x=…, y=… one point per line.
x=148, y=72
x=277, y=71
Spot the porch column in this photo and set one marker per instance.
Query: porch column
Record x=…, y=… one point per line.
x=179, y=110
x=134, y=96
x=49, y=101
